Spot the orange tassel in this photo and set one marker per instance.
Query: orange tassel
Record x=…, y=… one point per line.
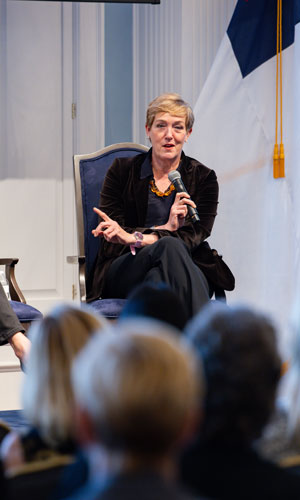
x=276, y=162
x=278, y=157
x=281, y=161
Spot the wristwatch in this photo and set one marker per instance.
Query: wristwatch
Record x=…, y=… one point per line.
x=138, y=243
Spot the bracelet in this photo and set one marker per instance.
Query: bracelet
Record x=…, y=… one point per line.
x=138, y=243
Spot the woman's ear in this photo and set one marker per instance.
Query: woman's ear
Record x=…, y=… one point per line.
x=188, y=134
x=147, y=131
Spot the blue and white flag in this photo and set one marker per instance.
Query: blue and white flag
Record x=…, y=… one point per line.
x=258, y=226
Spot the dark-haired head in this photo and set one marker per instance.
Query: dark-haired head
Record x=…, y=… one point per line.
x=242, y=367
x=157, y=301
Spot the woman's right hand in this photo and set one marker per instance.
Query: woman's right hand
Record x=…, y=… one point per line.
x=178, y=212
x=111, y=231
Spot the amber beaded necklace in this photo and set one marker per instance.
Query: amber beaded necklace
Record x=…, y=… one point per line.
x=155, y=189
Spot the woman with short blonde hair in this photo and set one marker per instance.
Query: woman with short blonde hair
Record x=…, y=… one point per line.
x=173, y=104
x=152, y=227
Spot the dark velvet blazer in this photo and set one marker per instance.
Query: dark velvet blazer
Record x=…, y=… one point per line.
x=124, y=198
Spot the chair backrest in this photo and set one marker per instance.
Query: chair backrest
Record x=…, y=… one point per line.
x=89, y=171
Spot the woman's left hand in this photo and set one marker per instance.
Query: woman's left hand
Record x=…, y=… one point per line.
x=111, y=230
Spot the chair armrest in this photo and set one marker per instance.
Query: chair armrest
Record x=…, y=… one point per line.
x=14, y=290
x=80, y=260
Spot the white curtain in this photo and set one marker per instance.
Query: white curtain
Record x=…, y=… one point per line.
x=174, y=47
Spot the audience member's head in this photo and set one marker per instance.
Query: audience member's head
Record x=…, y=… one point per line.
x=292, y=377
x=138, y=386
x=238, y=350
x=157, y=301
x=47, y=393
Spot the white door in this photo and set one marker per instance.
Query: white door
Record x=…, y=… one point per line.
x=50, y=57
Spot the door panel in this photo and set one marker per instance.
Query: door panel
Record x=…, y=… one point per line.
x=37, y=222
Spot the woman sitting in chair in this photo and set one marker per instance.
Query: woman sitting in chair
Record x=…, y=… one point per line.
x=147, y=231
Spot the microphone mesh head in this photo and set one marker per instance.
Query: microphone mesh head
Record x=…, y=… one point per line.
x=173, y=175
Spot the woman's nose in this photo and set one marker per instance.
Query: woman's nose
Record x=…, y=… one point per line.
x=169, y=132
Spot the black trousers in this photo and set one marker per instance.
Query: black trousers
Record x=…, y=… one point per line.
x=9, y=323
x=169, y=261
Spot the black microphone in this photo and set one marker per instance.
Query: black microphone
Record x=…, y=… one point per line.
x=175, y=177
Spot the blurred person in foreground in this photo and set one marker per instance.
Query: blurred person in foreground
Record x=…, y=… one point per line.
x=281, y=439
x=237, y=347
x=34, y=459
x=137, y=394
x=156, y=301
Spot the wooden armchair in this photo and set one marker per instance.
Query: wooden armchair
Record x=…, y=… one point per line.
x=14, y=289
x=25, y=313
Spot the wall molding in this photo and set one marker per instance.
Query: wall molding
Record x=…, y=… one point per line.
x=9, y=367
